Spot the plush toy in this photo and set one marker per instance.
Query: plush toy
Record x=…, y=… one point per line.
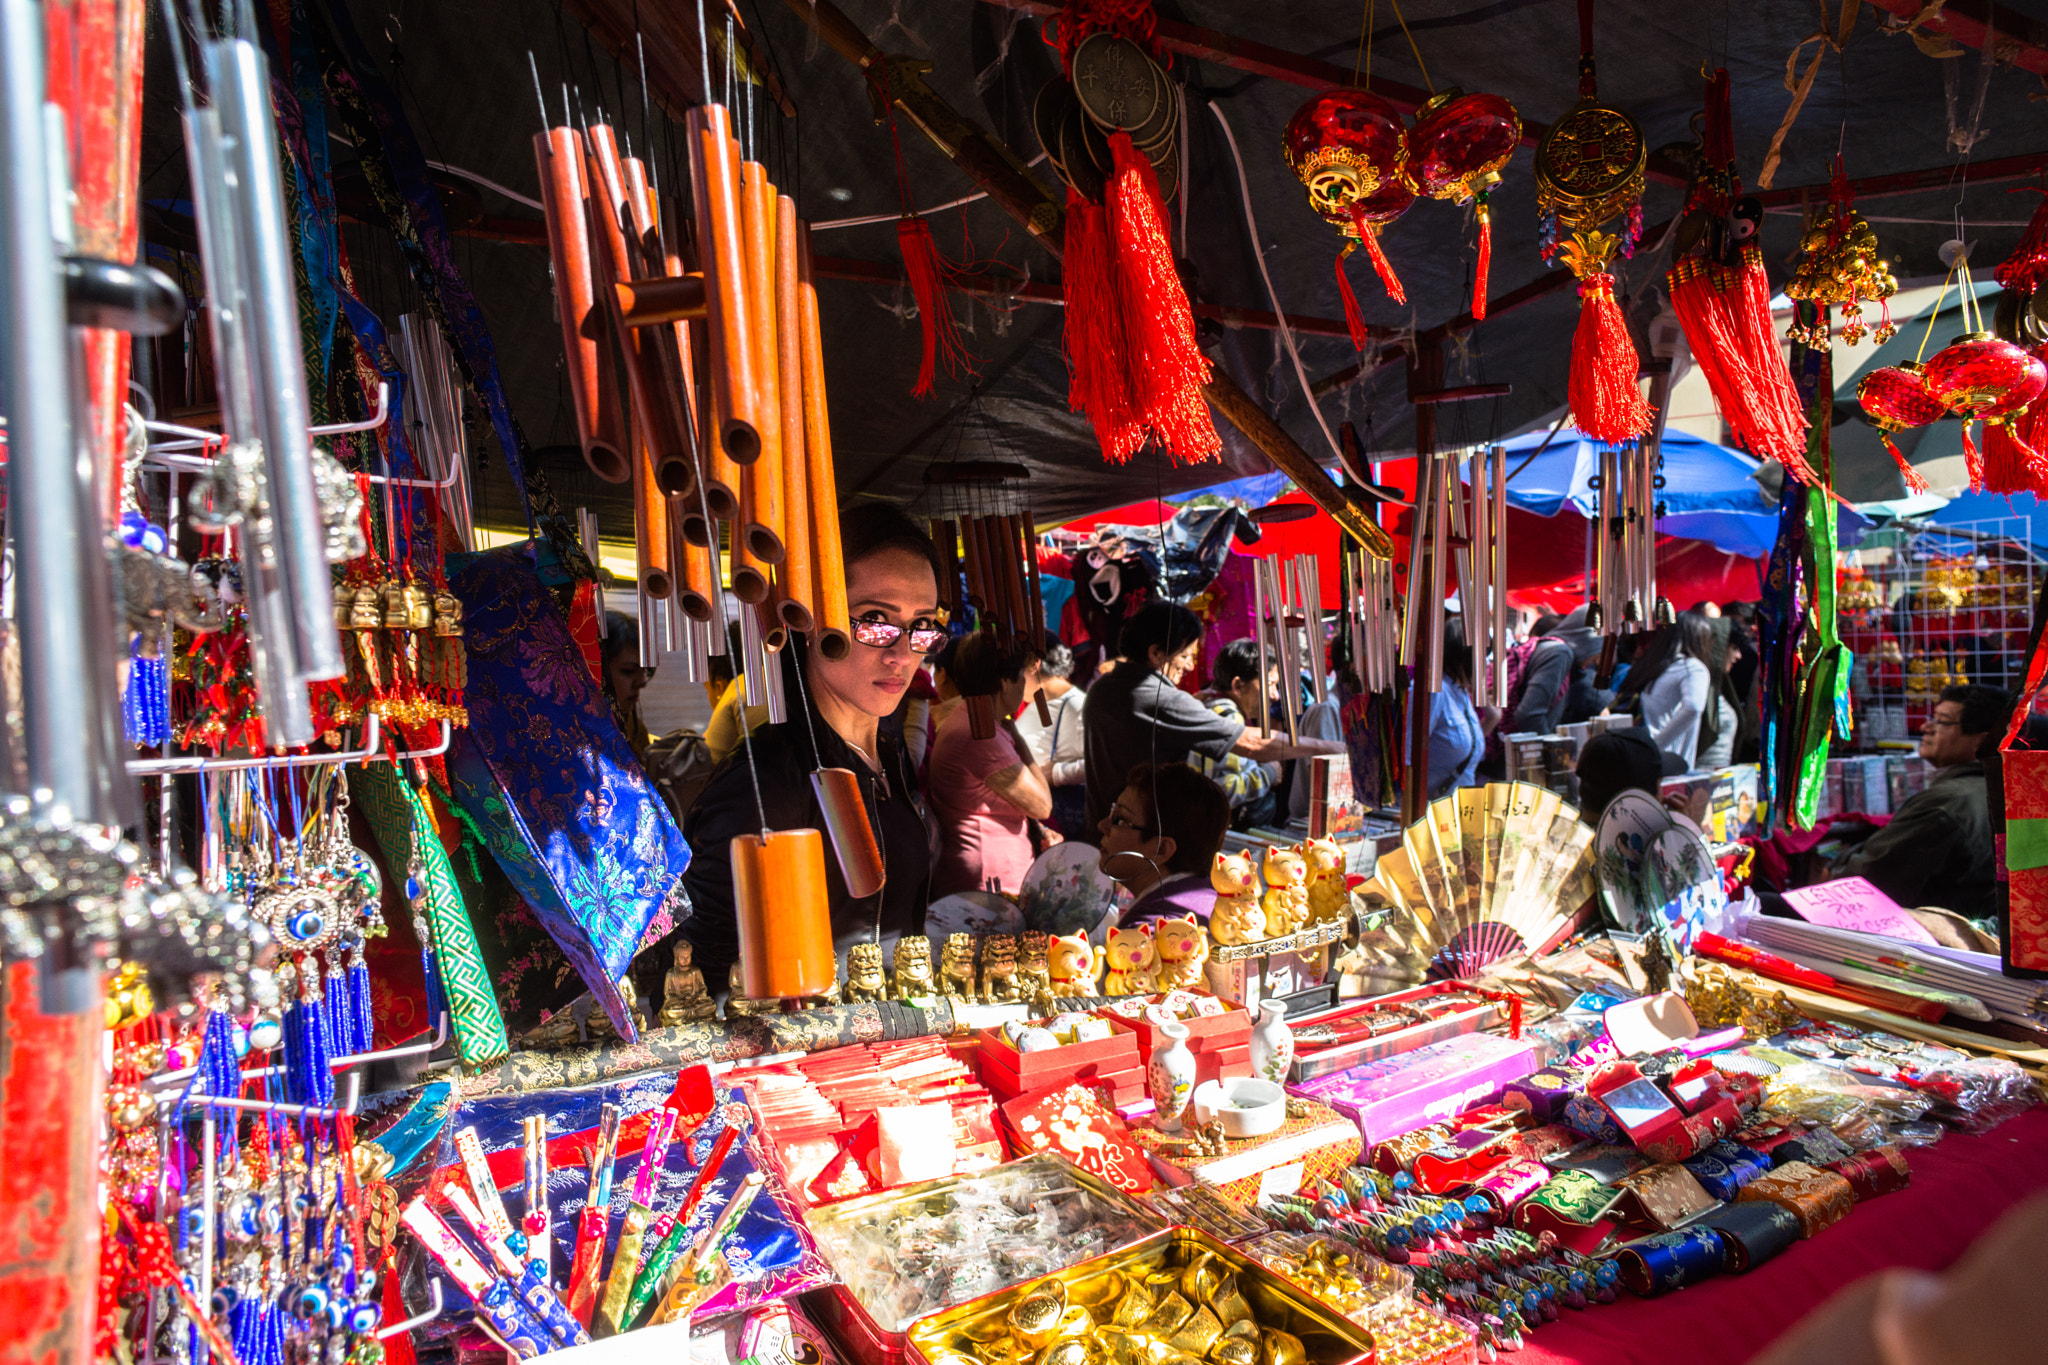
x=1131, y=959
x=1238, y=917
x=1183, y=947
x=1329, y=893
x=1071, y=964
x=1286, y=899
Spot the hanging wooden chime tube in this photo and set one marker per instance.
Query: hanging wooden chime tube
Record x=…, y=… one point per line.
x=652, y=548
x=761, y=478
x=828, y=570
x=732, y=393
x=1038, y=626
x=672, y=361
x=586, y=347
x=798, y=581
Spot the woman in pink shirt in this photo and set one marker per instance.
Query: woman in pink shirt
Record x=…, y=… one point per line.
x=985, y=792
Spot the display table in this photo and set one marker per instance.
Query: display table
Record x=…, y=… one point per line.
x=1961, y=1186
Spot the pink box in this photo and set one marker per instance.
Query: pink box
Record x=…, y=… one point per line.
x=1398, y=1094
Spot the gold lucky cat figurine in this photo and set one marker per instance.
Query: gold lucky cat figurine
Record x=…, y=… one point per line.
x=1183, y=946
x=956, y=967
x=913, y=969
x=864, y=978
x=1072, y=964
x=1329, y=892
x=1238, y=917
x=1286, y=898
x=1130, y=956
x=684, y=998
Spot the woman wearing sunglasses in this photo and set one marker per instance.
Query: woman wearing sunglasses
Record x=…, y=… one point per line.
x=892, y=595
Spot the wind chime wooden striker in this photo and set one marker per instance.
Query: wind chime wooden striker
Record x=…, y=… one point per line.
x=726, y=441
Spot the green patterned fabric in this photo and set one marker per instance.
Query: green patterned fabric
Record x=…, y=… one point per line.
x=1824, y=688
x=395, y=811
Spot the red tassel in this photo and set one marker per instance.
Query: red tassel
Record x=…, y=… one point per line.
x=1165, y=365
x=1726, y=316
x=1775, y=410
x=1915, y=483
x=1098, y=384
x=2024, y=270
x=2011, y=464
x=1972, y=460
x=927, y=272
x=1353, y=318
x=1484, y=267
x=1380, y=264
x=1605, y=398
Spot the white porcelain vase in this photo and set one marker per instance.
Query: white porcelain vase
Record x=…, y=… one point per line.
x=1272, y=1047
x=1171, y=1076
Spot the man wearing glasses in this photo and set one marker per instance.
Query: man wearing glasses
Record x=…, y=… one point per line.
x=1937, y=849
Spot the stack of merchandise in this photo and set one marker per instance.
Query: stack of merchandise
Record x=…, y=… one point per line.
x=860, y=1119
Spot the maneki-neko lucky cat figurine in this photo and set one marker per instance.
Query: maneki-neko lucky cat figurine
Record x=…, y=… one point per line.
x=1071, y=964
x=1329, y=892
x=1130, y=956
x=1238, y=917
x=1286, y=899
x=1183, y=946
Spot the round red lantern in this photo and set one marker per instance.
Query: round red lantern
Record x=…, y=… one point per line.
x=1344, y=144
x=1459, y=144
x=1981, y=376
x=1895, y=398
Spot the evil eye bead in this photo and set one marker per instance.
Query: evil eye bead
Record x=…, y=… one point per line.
x=266, y=1032
x=311, y=1302
x=307, y=925
x=241, y=1219
x=364, y=1317
x=225, y=1297
x=344, y=1260
x=337, y=1313
x=240, y=1036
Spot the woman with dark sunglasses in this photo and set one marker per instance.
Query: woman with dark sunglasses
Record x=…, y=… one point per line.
x=892, y=595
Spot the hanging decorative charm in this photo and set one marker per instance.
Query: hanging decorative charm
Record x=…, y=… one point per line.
x=1350, y=149
x=1895, y=399
x=1842, y=268
x=1722, y=298
x=1589, y=169
x=1456, y=151
x=1110, y=130
x=1979, y=377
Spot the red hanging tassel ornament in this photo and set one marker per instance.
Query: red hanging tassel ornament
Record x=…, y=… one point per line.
x=1353, y=317
x=1380, y=264
x=1484, y=266
x=1166, y=368
x=928, y=271
x=1098, y=383
x=1915, y=482
x=2010, y=465
x=1973, y=459
x=2023, y=271
x=1605, y=399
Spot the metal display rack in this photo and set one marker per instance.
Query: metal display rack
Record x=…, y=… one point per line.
x=1925, y=606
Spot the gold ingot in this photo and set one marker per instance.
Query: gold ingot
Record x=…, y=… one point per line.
x=1243, y=1327
x=1036, y=1317
x=1066, y=1351
x=1099, y=1293
x=1230, y=1350
x=364, y=612
x=1198, y=1278
x=1229, y=1303
x=1136, y=1305
x=1198, y=1333
x=1281, y=1348
x=1166, y=1319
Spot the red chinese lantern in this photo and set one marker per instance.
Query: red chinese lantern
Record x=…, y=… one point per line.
x=1980, y=376
x=1456, y=151
x=1349, y=148
x=1895, y=398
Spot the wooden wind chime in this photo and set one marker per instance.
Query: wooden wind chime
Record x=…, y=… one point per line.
x=728, y=445
x=990, y=577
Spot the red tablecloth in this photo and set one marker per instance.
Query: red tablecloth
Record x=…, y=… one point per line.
x=1961, y=1186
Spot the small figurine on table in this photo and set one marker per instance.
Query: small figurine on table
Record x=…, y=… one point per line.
x=684, y=997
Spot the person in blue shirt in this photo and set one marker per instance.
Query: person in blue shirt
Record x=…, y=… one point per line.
x=1457, y=733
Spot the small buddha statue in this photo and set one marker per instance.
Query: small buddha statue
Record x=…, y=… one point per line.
x=684, y=997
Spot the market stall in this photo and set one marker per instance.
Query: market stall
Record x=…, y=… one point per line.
x=379, y=989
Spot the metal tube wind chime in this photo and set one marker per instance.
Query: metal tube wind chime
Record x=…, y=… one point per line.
x=1479, y=526
x=991, y=576
x=1287, y=614
x=1622, y=593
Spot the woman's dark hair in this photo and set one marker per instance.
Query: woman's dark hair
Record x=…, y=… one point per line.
x=1457, y=653
x=1237, y=661
x=867, y=529
x=942, y=659
x=621, y=633
x=1058, y=661
x=1185, y=807
x=1168, y=625
x=1985, y=711
x=982, y=665
x=1692, y=635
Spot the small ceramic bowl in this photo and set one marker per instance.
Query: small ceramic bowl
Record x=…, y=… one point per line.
x=1246, y=1107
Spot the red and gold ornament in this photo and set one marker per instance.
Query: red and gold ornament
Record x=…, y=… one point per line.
x=1980, y=377
x=1349, y=148
x=1895, y=399
x=1456, y=151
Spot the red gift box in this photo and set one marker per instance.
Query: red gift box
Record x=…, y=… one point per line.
x=1007, y=1071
